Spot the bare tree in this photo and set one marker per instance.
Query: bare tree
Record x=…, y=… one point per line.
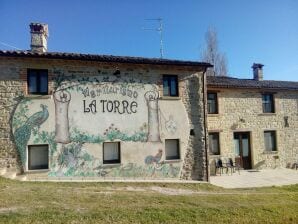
x=212, y=55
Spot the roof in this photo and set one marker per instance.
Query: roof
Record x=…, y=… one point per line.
x=102, y=58
x=230, y=82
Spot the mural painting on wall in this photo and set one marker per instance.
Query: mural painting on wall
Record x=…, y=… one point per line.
x=81, y=107
x=171, y=125
x=25, y=126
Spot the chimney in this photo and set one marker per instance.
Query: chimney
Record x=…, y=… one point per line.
x=39, y=37
x=258, y=71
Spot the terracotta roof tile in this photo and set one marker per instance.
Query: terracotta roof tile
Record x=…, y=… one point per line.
x=230, y=82
x=103, y=58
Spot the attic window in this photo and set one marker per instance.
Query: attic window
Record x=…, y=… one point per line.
x=37, y=80
x=170, y=85
x=212, y=103
x=268, y=103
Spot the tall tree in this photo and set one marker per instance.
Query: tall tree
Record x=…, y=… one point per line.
x=212, y=55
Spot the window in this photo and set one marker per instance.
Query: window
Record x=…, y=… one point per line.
x=38, y=157
x=170, y=85
x=37, y=81
x=212, y=103
x=268, y=103
x=214, y=148
x=172, y=149
x=270, y=140
x=111, y=152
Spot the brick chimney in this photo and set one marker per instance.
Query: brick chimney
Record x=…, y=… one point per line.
x=258, y=71
x=39, y=37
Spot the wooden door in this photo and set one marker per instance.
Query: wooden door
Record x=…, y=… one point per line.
x=242, y=149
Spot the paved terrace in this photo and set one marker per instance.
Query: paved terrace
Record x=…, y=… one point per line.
x=246, y=179
x=256, y=178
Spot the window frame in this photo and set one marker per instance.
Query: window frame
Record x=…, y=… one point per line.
x=218, y=135
x=29, y=157
x=115, y=161
x=275, y=141
x=216, y=102
x=178, y=157
x=38, y=81
x=272, y=109
x=167, y=78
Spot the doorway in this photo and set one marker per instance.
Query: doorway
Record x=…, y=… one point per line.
x=242, y=149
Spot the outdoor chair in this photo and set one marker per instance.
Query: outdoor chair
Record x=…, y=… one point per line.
x=233, y=166
x=219, y=166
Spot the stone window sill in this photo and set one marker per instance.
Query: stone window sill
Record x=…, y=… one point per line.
x=37, y=171
x=270, y=152
x=267, y=114
x=170, y=98
x=173, y=161
x=111, y=165
x=213, y=115
x=32, y=96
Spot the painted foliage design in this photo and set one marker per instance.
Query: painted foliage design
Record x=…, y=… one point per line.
x=26, y=126
x=68, y=155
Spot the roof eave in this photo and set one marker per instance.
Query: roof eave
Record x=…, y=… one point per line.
x=104, y=58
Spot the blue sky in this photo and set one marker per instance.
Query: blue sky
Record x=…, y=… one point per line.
x=262, y=31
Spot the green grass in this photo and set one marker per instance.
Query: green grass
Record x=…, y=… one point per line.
x=48, y=202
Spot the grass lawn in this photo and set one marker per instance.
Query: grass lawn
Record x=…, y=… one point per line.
x=48, y=202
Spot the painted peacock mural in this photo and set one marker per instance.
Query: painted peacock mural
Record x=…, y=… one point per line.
x=23, y=133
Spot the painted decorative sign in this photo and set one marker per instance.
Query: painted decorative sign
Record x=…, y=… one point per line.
x=92, y=108
x=84, y=112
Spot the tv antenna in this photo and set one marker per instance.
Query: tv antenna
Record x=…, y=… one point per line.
x=159, y=30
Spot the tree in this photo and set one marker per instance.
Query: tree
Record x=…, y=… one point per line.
x=212, y=55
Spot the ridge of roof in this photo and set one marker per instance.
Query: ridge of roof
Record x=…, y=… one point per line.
x=102, y=58
x=232, y=82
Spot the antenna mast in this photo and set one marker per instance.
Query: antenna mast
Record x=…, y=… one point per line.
x=159, y=30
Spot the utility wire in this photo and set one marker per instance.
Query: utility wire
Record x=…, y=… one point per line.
x=8, y=45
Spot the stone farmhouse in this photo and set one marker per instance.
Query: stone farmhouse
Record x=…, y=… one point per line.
x=254, y=120
x=80, y=115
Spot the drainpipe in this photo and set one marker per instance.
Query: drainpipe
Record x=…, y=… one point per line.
x=205, y=124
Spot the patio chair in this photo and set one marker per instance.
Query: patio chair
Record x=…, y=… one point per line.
x=219, y=166
x=233, y=166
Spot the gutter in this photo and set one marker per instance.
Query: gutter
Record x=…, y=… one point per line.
x=205, y=125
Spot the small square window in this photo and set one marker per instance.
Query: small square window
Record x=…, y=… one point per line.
x=37, y=80
x=111, y=152
x=268, y=103
x=38, y=157
x=212, y=103
x=214, y=148
x=170, y=85
x=270, y=140
x=172, y=149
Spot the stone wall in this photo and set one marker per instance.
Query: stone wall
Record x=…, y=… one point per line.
x=13, y=85
x=241, y=110
x=11, y=88
x=195, y=165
